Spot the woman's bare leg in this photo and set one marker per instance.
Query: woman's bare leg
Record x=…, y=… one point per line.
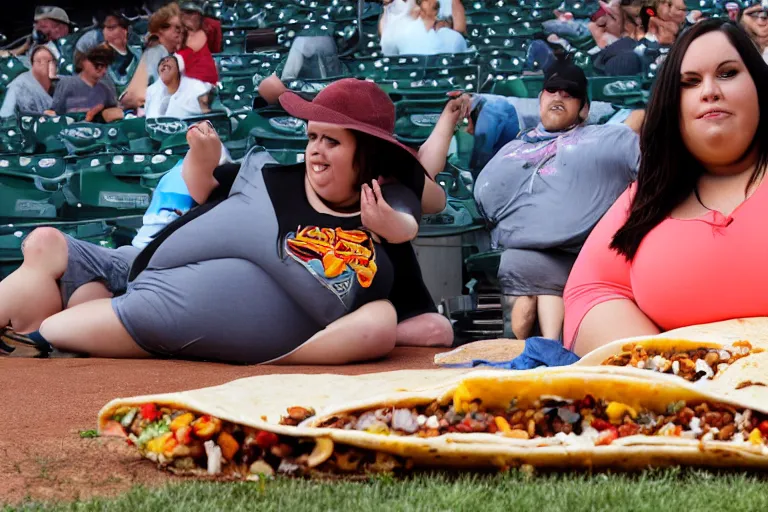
x=367, y=333
x=551, y=316
x=88, y=292
x=91, y=328
x=427, y=330
x=522, y=314
x=31, y=294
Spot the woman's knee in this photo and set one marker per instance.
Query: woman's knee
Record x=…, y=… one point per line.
x=46, y=248
x=426, y=330
x=379, y=327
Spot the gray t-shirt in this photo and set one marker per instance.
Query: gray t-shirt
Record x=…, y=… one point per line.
x=25, y=94
x=74, y=95
x=550, y=194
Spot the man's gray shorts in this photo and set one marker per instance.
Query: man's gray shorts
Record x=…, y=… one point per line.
x=89, y=262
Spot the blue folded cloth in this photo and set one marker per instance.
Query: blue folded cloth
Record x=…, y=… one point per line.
x=537, y=352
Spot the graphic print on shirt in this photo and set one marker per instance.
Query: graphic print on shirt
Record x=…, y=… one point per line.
x=334, y=256
x=542, y=148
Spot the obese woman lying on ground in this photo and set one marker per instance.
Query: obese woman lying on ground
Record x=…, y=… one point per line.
x=275, y=256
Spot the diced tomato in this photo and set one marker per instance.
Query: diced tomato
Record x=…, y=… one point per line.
x=149, y=412
x=113, y=428
x=184, y=435
x=607, y=436
x=763, y=427
x=628, y=429
x=601, y=425
x=266, y=440
x=587, y=402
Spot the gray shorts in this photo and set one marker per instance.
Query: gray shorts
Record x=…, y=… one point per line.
x=89, y=262
x=534, y=272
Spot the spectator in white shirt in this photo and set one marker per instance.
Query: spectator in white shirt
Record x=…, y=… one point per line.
x=176, y=95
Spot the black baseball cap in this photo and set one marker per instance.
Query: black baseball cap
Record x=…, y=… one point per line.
x=568, y=77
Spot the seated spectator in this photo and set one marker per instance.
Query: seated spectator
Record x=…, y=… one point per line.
x=684, y=245
x=194, y=49
x=451, y=14
x=165, y=38
x=112, y=29
x=419, y=33
x=193, y=15
x=50, y=25
x=31, y=91
x=607, y=24
x=87, y=92
x=494, y=123
x=543, y=193
x=754, y=19
x=176, y=95
x=312, y=56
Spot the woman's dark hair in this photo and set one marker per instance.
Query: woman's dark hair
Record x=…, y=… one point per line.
x=668, y=172
x=375, y=157
x=37, y=49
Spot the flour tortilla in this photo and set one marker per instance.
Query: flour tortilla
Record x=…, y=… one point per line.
x=661, y=342
x=754, y=330
x=715, y=336
x=258, y=402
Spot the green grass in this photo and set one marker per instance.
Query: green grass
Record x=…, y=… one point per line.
x=654, y=491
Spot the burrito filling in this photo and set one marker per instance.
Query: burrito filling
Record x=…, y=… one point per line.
x=560, y=421
x=190, y=443
x=692, y=365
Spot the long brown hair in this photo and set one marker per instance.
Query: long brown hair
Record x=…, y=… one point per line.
x=668, y=172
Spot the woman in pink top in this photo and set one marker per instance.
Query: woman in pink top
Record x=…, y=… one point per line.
x=686, y=244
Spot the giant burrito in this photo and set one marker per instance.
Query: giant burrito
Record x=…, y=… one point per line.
x=566, y=417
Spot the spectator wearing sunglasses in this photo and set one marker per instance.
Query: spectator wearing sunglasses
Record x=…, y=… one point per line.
x=113, y=29
x=544, y=192
x=754, y=20
x=87, y=91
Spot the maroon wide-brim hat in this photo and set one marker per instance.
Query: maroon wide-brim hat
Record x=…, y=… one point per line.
x=353, y=104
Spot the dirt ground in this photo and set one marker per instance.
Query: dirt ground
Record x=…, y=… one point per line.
x=49, y=402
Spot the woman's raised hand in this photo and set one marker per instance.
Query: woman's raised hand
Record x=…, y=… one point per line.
x=379, y=217
x=204, y=145
x=458, y=108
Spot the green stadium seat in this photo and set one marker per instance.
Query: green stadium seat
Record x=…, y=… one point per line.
x=41, y=133
x=30, y=185
x=83, y=138
x=10, y=68
x=11, y=137
x=283, y=136
x=233, y=42
x=97, y=188
x=519, y=86
x=623, y=90
x=416, y=119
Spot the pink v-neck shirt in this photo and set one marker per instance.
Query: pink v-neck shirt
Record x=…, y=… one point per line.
x=685, y=272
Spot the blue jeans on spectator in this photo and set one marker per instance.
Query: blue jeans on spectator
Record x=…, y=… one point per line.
x=497, y=124
x=573, y=29
x=539, y=56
